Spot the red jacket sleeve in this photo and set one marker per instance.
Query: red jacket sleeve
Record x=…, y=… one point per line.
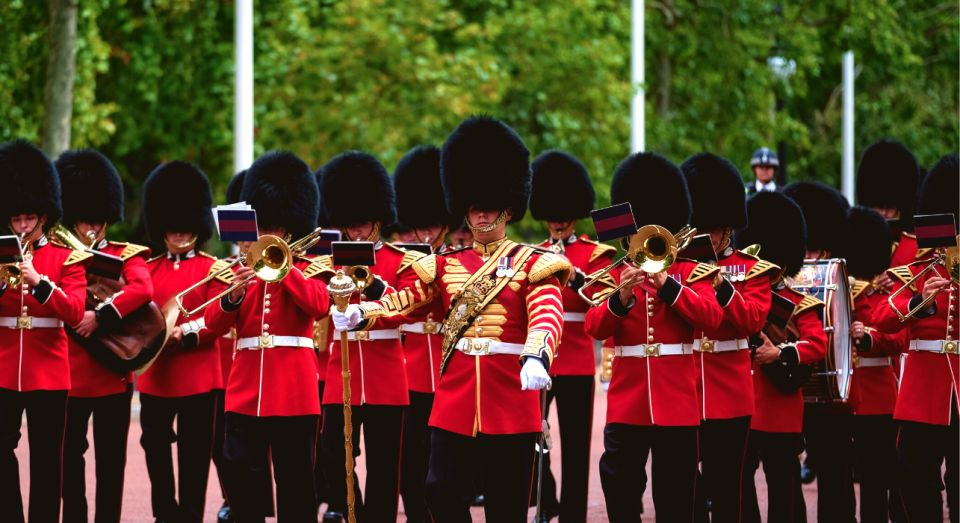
x=884, y=318
x=137, y=291
x=812, y=345
x=748, y=308
x=601, y=323
x=697, y=303
x=310, y=294
x=67, y=300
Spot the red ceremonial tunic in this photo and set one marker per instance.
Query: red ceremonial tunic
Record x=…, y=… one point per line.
x=322, y=332
x=776, y=411
x=90, y=379
x=377, y=370
x=226, y=345
x=422, y=350
x=178, y=370
x=929, y=381
x=275, y=380
x=575, y=355
x=873, y=390
x=724, y=378
x=658, y=390
x=904, y=250
x=481, y=393
x=37, y=359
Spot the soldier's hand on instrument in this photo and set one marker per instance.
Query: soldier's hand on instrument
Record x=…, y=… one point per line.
x=658, y=279
x=30, y=275
x=348, y=319
x=856, y=330
x=176, y=334
x=533, y=376
x=630, y=277
x=767, y=352
x=87, y=325
x=932, y=286
x=883, y=283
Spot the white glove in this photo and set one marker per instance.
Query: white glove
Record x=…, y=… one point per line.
x=348, y=319
x=533, y=376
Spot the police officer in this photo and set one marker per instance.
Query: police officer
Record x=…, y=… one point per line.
x=764, y=164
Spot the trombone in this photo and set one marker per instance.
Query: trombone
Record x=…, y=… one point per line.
x=652, y=249
x=950, y=259
x=11, y=274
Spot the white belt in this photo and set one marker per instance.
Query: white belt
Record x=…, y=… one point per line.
x=382, y=334
x=29, y=322
x=574, y=316
x=874, y=362
x=485, y=346
x=423, y=327
x=652, y=350
x=706, y=345
x=266, y=342
x=943, y=346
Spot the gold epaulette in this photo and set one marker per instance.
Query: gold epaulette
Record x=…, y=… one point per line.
x=808, y=302
x=156, y=258
x=319, y=265
x=600, y=249
x=222, y=275
x=550, y=264
x=207, y=255
x=858, y=287
x=426, y=268
x=763, y=267
x=408, y=258
x=131, y=249
x=703, y=271
x=923, y=253
x=77, y=257
x=903, y=274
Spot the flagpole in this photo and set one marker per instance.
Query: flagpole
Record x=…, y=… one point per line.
x=638, y=139
x=243, y=86
x=847, y=171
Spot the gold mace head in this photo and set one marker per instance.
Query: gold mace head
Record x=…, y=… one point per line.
x=341, y=287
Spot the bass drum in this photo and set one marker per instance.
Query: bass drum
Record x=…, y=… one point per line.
x=827, y=281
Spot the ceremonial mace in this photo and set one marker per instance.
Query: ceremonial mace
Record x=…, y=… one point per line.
x=342, y=287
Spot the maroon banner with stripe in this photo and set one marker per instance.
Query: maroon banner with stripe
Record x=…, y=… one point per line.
x=935, y=230
x=614, y=222
x=346, y=254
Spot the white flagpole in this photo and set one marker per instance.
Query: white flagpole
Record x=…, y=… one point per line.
x=847, y=171
x=243, y=86
x=637, y=133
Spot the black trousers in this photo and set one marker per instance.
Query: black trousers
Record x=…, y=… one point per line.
x=319, y=479
x=382, y=427
x=723, y=451
x=828, y=433
x=111, y=424
x=415, y=456
x=249, y=444
x=505, y=465
x=217, y=449
x=875, y=456
x=674, y=471
x=574, y=397
x=779, y=452
x=195, y=416
x=46, y=416
x=921, y=451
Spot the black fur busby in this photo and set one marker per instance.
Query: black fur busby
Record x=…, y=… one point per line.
x=416, y=181
x=283, y=191
x=888, y=177
x=716, y=192
x=825, y=212
x=321, y=214
x=869, y=244
x=176, y=198
x=561, y=188
x=30, y=183
x=355, y=188
x=776, y=223
x=235, y=186
x=91, y=186
x=655, y=188
x=485, y=164
x=940, y=192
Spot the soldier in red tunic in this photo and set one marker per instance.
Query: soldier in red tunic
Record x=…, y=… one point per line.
x=34, y=364
x=272, y=406
x=873, y=388
x=92, y=200
x=358, y=198
x=181, y=382
x=927, y=404
x=420, y=206
x=504, y=319
x=776, y=224
x=652, y=402
x=724, y=376
x=561, y=195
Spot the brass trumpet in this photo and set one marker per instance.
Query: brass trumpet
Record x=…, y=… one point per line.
x=652, y=249
x=11, y=274
x=948, y=258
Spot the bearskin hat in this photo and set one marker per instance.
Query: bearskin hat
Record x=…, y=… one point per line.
x=283, y=191
x=655, y=188
x=940, y=192
x=485, y=164
x=30, y=181
x=825, y=212
x=716, y=192
x=776, y=223
x=561, y=188
x=91, y=186
x=868, y=252
x=888, y=176
x=176, y=198
x=416, y=181
x=355, y=188
x=235, y=186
